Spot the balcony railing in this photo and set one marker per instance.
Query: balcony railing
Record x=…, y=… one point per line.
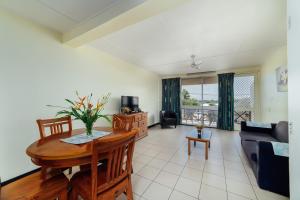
x=209, y=116
x=244, y=115
x=195, y=115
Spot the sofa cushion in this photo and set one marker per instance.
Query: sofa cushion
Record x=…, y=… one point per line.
x=169, y=119
x=245, y=135
x=244, y=127
x=258, y=124
x=281, y=132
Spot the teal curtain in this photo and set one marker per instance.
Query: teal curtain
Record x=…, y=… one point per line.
x=171, y=96
x=226, y=102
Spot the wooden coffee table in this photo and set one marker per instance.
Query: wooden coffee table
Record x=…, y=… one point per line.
x=204, y=138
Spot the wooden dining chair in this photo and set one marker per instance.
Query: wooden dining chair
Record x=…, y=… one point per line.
x=34, y=187
x=62, y=125
x=51, y=127
x=120, y=123
x=106, y=182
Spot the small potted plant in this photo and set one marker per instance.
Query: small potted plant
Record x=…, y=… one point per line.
x=84, y=110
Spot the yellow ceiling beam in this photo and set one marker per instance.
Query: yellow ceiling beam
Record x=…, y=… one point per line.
x=90, y=30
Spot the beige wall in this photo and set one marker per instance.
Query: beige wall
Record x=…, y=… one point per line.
x=294, y=96
x=274, y=105
x=36, y=70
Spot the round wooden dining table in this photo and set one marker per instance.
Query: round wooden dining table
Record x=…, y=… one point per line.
x=54, y=153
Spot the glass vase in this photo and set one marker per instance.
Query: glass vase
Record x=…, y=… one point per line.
x=89, y=129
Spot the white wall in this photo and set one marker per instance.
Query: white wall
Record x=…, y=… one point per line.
x=294, y=96
x=36, y=70
x=274, y=105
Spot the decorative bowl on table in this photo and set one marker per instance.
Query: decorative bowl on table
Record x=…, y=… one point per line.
x=199, y=128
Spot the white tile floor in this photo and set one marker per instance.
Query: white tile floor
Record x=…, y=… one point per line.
x=163, y=170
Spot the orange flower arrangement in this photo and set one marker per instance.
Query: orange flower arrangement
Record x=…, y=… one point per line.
x=85, y=111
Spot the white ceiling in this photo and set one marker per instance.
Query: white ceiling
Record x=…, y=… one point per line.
x=222, y=34
x=65, y=15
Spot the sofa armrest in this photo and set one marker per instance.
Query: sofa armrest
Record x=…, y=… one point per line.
x=244, y=127
x=253, y=155
x=273, y=170
x=161, y=115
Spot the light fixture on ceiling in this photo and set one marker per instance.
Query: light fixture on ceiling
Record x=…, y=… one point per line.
x=194, y=64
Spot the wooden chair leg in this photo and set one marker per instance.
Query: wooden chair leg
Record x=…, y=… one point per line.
x=63, y=195
x=129, y=193
x=73, y=195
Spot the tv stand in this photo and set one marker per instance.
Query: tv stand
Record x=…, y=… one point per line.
x=140, y=122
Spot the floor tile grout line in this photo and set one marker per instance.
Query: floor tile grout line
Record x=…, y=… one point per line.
x=236, y=148
x=239, y=153
x=152, y=181
x=201, y=181
x=203, y=173
x=182, y=144
x=225, y=176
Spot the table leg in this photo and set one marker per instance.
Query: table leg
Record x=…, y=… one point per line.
x=189, y=146
x=194, y=143
x=206, y=150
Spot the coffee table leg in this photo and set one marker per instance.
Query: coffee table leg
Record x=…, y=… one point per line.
x=194, y=143
x=189, y=146
x=206, y=150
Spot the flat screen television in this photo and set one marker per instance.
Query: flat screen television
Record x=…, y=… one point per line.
x=131, y=102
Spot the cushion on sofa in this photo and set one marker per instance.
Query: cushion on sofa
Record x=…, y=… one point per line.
x=245, y=135
x=244, y=127
x=281, y=132
x=258, y=124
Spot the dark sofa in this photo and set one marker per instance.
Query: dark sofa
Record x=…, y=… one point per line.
x=168, y=118
x=271, y=171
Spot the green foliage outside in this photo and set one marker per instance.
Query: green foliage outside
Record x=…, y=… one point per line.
x=187, y=100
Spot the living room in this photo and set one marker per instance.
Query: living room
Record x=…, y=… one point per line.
x=212, y=63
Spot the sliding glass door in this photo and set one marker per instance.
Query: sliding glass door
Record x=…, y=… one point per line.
x=199, y=102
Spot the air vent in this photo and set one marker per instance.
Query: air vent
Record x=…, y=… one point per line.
x=202, y=73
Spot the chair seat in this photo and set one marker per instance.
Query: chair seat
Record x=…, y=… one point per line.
x=170, y=119
x=34, y=187
x=82, y=180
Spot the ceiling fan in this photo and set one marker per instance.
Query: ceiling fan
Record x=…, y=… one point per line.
x=194, y=64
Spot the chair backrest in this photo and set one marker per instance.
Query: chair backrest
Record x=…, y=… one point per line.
x=118, y=153
x=55, y=126
x=168, y=114
x=121, y=123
